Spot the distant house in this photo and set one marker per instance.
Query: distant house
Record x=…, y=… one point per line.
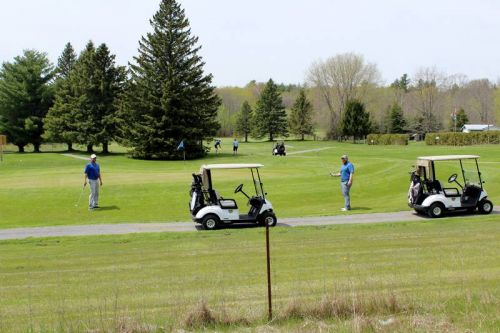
x=469, y=128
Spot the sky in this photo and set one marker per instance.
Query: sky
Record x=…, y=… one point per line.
x=244, y=40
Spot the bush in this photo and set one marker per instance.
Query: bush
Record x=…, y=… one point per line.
x=462, y=139
x=387, y=139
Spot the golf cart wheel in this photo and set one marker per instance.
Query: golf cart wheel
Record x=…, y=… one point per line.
x=210, y=222
x=485, y=206
x=268, y=218
x=436, y=210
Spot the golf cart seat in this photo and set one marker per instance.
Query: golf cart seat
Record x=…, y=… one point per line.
x=433, y=186
x=471, y=195
x=228, y=204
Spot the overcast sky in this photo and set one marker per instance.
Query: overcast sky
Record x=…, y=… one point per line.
x=258, y=39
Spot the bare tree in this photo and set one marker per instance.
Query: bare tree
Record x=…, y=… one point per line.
x=482, y=99
x=339, y=79
x=428, y=98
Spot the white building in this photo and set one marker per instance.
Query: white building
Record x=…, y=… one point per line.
x=469, y=128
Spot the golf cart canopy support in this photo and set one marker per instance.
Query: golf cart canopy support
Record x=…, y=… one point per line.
x=428, y=162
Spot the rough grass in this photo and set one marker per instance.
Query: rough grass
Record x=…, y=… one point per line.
x=42, y=189
x=434, y=275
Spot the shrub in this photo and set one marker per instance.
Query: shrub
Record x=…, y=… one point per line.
x=462, y=139
x=387, y=139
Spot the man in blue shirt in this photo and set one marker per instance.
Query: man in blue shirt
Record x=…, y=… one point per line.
x=235, y=147
x=346, y=175
x=93, y=174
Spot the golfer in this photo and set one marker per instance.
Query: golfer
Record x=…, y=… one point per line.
x=217, y=145
x=235, y=147
x=93, y=174
x=346, y=174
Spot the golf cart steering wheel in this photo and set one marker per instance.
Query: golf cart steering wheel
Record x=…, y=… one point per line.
x=238, y=188
x=452, y=178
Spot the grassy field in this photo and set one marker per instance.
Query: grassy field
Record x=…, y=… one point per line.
x=42, y=189
x=433, y=276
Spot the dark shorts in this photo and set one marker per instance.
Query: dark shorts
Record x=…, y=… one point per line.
x=235, y=148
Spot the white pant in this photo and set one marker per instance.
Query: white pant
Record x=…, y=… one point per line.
x=94, y=193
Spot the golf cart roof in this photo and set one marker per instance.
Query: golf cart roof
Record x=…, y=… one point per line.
x=447, y=157
x=230, y=166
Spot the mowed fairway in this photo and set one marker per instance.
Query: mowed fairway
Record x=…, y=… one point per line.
x=442, y=274
x=43, y=189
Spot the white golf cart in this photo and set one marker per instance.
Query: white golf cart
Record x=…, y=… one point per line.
x=427, y=195
x=211, y=210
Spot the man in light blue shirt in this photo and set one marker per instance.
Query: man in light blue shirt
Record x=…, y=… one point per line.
x=346, y=176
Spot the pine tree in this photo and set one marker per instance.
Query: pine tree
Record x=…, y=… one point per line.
x=356, y=121
x=244, y=120
x=461, y=120
x=95, y=86
x=26, y=94
x=397, y=122
x=270, y=115
x=170, y=98
x=301, y=122
x=110, y=81
x=85, y=90
x=65, y=62
x=59, y=123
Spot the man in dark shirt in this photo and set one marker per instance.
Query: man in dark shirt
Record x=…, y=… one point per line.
x=93, y=174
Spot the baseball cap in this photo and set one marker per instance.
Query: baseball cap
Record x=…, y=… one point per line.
x=93, y=156
x=344, y=157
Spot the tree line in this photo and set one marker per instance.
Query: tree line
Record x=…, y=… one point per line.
x=428, y=101
x=162, y=98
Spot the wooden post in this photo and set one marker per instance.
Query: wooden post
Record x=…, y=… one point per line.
x=3, y=141
x=269, y=296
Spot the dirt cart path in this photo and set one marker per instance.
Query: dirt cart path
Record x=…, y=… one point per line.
x=128, y=228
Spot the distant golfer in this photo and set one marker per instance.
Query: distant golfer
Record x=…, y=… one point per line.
x=346, y=174
x=235, y=147
x=93, y=174
x=217, y=145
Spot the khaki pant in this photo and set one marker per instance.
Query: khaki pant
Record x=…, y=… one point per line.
x=94, y=193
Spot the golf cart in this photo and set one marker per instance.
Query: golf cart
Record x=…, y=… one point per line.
x=279, y=149
x=427, y=195
x=208, y=208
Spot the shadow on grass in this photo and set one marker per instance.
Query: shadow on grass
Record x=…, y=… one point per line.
x=101, y=208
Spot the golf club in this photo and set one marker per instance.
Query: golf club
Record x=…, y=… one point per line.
x=80, y=197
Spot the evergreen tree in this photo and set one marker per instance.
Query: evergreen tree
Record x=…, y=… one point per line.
x=95, y=85
x=397, y=122
x=65, y=62
x=244, y=120
x=59, y=123
x=170, y=98
x=85, y=89
x=110, y=82
x=26, y=94
x=301, y=122
x=461, y=120
x=270, y=115
x=356, y=121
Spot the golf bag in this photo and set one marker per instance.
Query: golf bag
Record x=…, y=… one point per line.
x=196, y=193
x=415, y=188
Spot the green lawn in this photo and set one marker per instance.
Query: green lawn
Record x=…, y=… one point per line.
x=443, y=274
x=42, y=189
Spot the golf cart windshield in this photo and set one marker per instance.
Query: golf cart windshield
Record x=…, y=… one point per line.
x=471, y=173
x=206, y=172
